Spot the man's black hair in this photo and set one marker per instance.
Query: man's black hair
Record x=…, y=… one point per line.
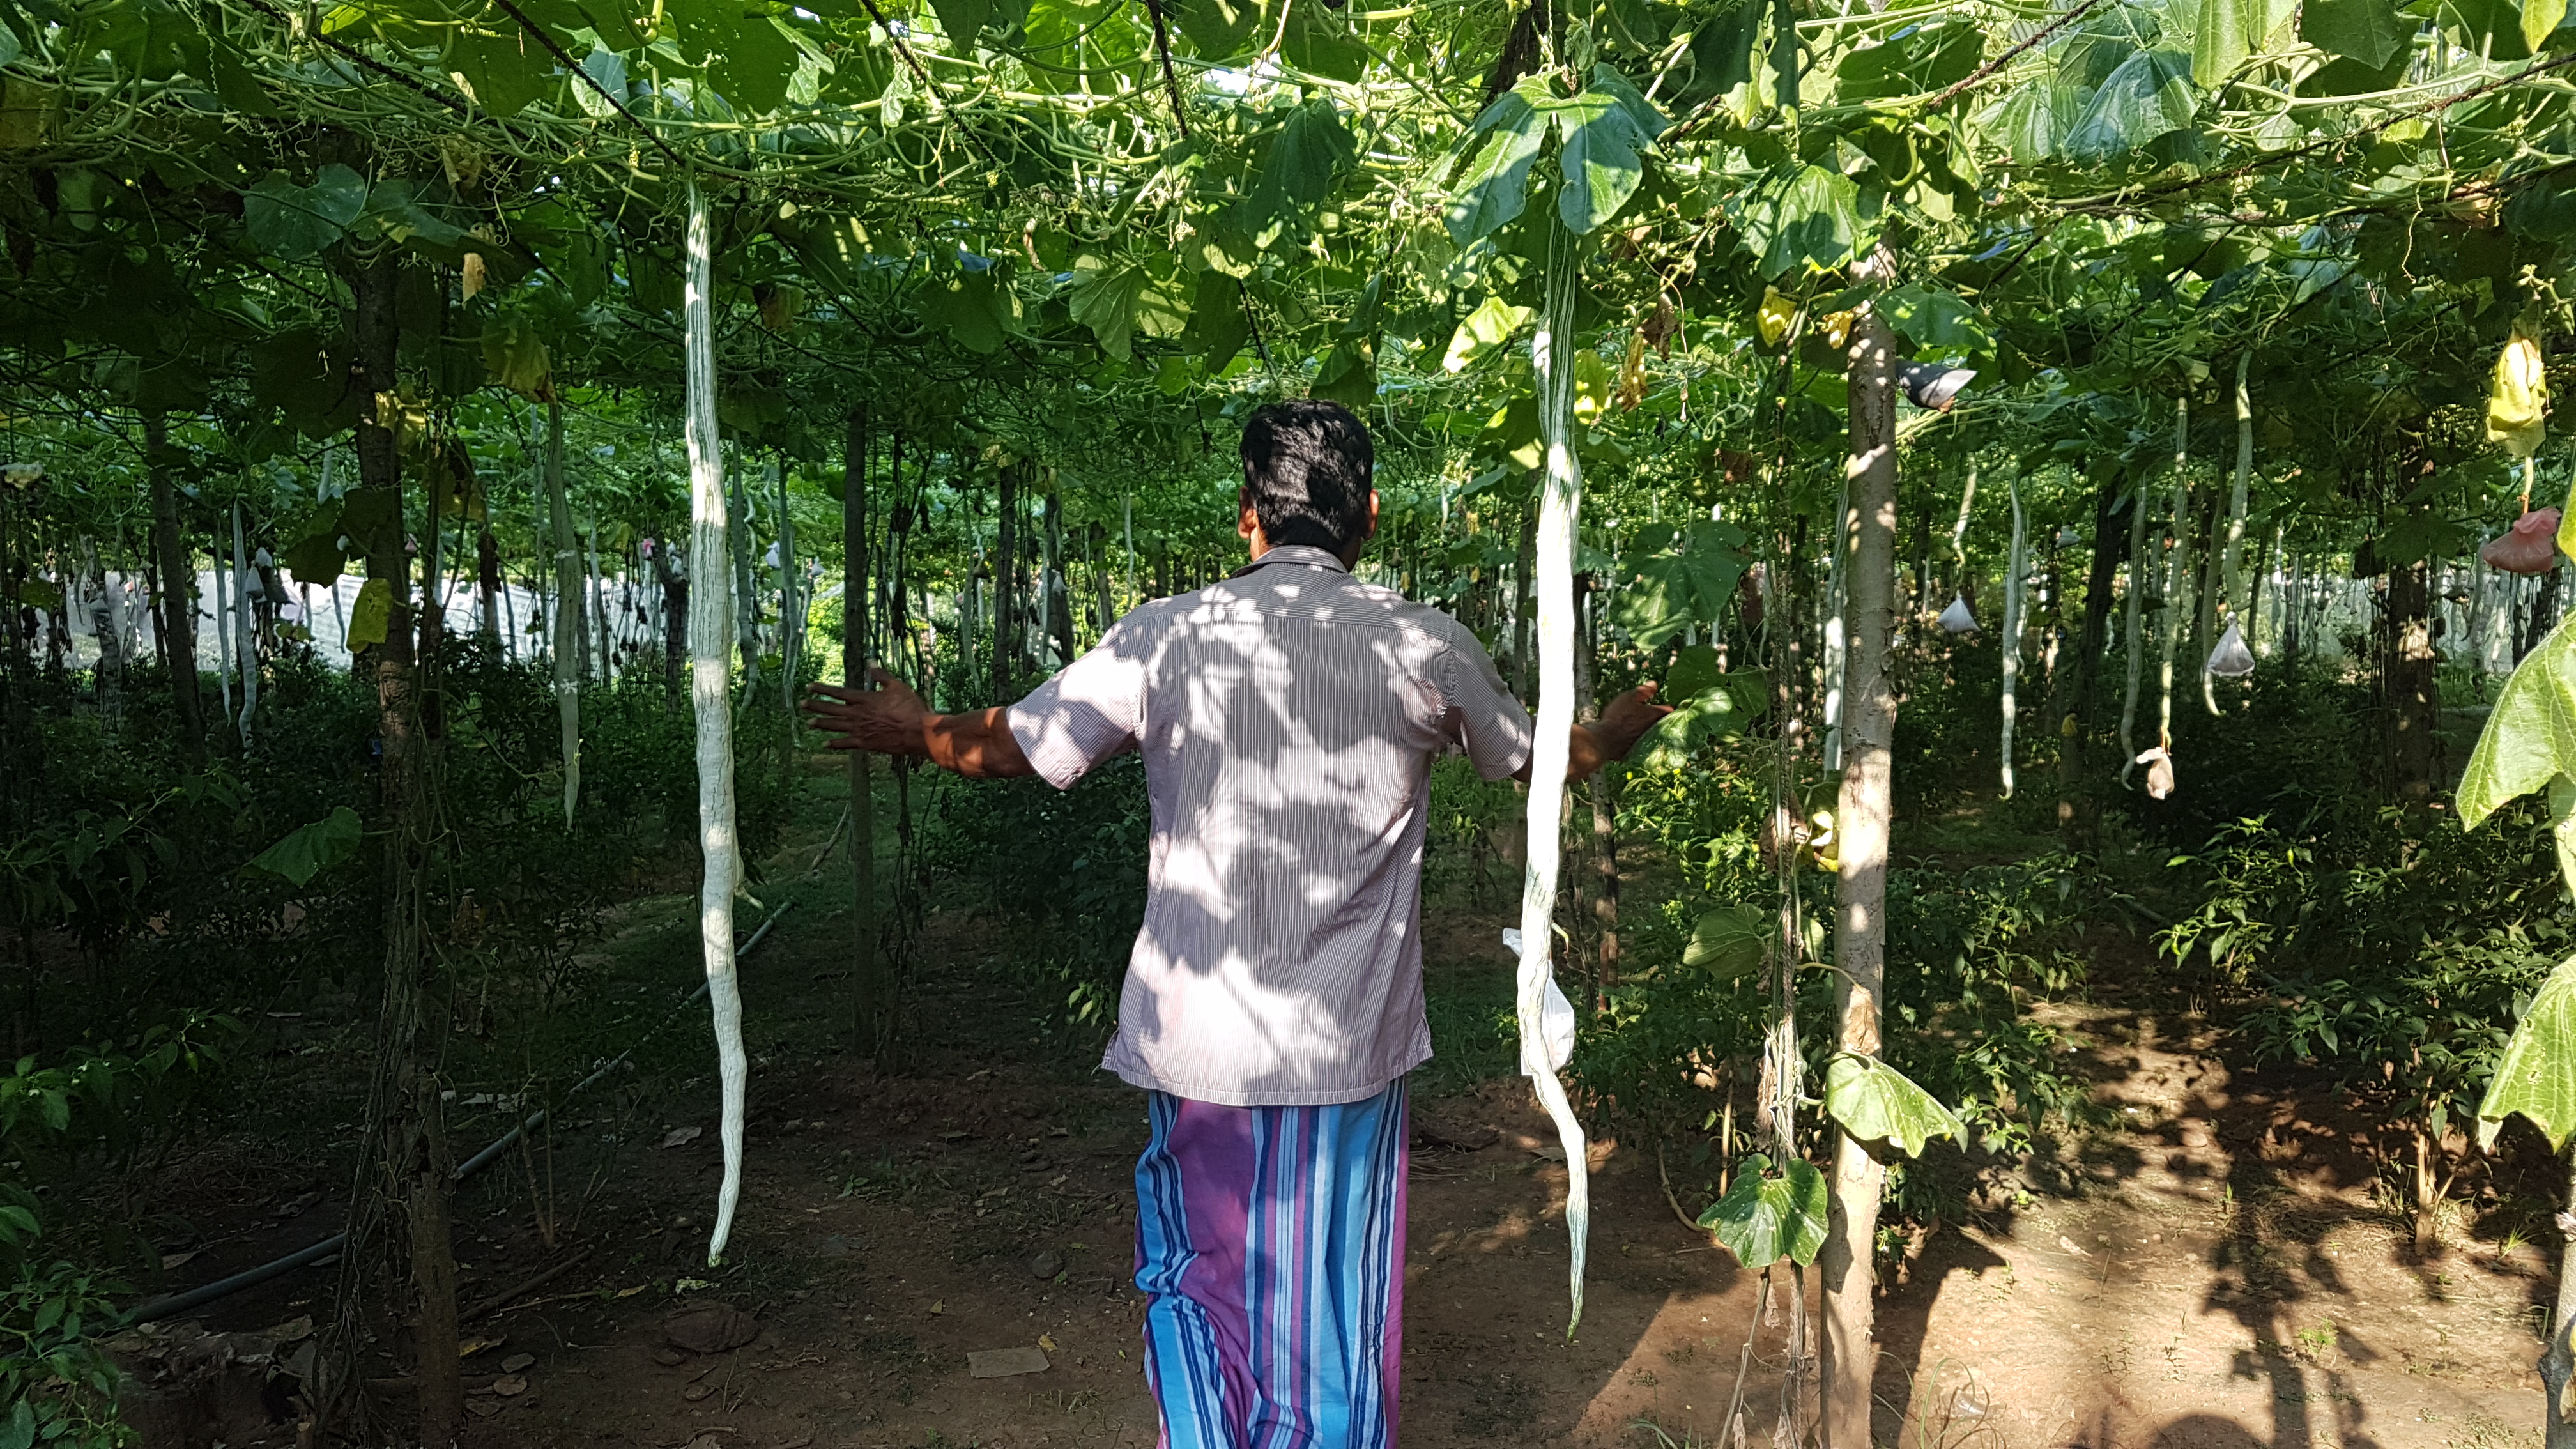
x=1307, y=465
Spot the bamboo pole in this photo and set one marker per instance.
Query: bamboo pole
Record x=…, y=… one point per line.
x=569, y=608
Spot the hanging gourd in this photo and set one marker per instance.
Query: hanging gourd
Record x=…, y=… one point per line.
x=710, y=650
x=2160, y=771
x=2018, y=560
x=2529, y=547
x=1959, y=618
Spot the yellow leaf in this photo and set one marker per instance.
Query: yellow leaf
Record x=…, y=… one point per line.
x=1047, y=1342
x=1632, y=372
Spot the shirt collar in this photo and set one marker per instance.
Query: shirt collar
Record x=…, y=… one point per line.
x=1294, y=553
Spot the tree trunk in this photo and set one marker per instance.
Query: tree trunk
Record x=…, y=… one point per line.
x=2558, y=1360
x=487, y=578
x=2133, y=656
x=1862, y=816
x=1006, y=593
x=2411, y=696
x=245, y=637
x=178, y=602
x=867, y=993
x=710, y=648
x=1058, y=587
x=1552, y=547
x=407, y=1088
x=569, y=653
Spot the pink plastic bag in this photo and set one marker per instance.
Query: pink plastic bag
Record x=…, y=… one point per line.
x=2529, y=547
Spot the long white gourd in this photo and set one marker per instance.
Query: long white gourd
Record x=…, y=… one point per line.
x=1560, y=500
x=2017, y=560
x=2178, y=577
x=245, y=635
x=710, y=671
x=2132, y=661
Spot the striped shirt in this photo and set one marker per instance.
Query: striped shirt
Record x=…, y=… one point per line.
x=1287, y=717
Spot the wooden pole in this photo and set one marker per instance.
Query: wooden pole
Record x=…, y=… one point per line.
x=867, y=1004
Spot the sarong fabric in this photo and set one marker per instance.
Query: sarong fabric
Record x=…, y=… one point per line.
x=1270, y=1243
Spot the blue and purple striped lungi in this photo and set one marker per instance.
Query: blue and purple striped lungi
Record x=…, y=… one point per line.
x=1270, y=1241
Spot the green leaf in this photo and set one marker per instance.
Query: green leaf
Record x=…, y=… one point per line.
x=505, y=70
x=2530, y=736
x=1298, y=170
x=1115, y=298
x=316, y=560
x=1877, y=1103
x=1348, y=374
x=311, y=849
x=1763, y=1219
x=1721, y=51
x=963, y=21
x=2368, y=31
x=2228, y=32
x=1494, y=186
x=292, y=222
x=1914, y=61
x=1319, y=41
x=1482, y=331
x=1219, y=29
x=2149, y=95
x=1936, y=320
x=1804, y=216
x=19, y=1432
x=1606, y=130
x=371, y=615
x=1730, y=941
x=1218, y=322
x=2536, y=1077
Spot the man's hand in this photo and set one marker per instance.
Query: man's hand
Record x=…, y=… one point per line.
x=893, y=720
x=890, y=719
x=1627, y=720
x=1612, y=736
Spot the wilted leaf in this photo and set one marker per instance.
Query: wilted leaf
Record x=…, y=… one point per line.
x=371, y=615
x=1730, y=941
x=1877, y=1103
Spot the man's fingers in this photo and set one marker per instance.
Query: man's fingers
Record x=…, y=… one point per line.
x=883, y=679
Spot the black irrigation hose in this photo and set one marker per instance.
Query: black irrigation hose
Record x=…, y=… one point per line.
x=178, y=1303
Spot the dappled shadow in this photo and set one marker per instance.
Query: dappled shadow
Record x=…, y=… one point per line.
x=1287, y=719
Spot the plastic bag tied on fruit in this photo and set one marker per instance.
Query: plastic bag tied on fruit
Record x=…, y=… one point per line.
x=2529, y=547
x=2231, y=659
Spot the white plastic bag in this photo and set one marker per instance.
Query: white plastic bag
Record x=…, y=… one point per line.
x=2231, y=659
x=2160, y=772
x=1555, y=1017
x=1959, y=618
x=2529, y=547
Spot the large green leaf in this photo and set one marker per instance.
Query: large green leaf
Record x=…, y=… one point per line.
x=1494, y=185
x=1319, y=41
x=1297, y=171
x=1877, y=1103
x=1936, y=320
x=2368, y=31
x=1730, y=941
x=1803, y=216
x=2537, y=1075
x=292, y=222
x=1483, y=331
x=1915, y=60
x=2530, y=736
x=309, y=850
x=1721, y=51
x=1763, y=1219
x=2540, y=19
x=1606, y=132
x=2231, y=30
x=1219, y=29
x=1672, y=579
x=2148, y=95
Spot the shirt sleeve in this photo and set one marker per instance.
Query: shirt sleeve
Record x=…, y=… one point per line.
x=1092, y=709
x=1484, y=721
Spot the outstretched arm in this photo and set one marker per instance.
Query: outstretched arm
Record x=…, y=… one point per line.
x=893, y=720
x=1612, y=736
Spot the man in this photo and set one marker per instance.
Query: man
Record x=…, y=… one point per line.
x=1288, y=717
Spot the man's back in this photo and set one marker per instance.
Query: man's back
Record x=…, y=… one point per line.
x=1287, y=718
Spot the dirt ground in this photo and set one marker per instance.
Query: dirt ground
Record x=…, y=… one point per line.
x=2215, y=1275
